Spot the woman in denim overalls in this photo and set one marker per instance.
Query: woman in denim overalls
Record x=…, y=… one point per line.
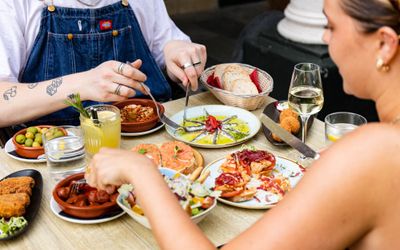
x=80, y=40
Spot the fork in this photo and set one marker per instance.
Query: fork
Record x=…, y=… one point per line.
x=76, y=186
x=186, y=103
x=162, y=117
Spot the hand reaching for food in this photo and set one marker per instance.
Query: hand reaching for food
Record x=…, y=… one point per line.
x=113, y=167
x=185, y=61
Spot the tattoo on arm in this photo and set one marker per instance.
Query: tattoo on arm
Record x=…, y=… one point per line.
x=32, y=85
x=10, y=93
x=52, y=88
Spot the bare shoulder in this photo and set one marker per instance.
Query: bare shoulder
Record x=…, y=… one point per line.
x=366, y=146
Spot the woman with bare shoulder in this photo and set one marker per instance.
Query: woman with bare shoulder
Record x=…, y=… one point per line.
x=349, y=197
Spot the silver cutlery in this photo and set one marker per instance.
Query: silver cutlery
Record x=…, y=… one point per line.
x=287, y=137
x=186, y=103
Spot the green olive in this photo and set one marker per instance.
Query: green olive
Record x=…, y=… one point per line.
x=20, y=139
x=33, y=130
x=58, y=133
x=38, y=138
x=36, y=144
x=28, y=142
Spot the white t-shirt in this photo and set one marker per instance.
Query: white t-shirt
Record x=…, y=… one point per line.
x=20, y=21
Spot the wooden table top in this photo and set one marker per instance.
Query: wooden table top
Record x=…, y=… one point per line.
x=224, y=222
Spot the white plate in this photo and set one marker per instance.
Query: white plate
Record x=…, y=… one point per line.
x=144, y=221
x=159, y=125
x=9, y=148
x=286, y=167
x=252, y=121
x=60, y=214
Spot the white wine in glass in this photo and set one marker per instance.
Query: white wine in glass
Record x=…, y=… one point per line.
x=305, y=93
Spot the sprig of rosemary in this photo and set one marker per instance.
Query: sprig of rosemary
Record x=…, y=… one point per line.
x=74, y=100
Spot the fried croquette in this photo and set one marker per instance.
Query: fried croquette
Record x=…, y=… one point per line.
x=287, y=113
x=292, y=123
x=289, y=120
x=13, y=185
x=13, y=204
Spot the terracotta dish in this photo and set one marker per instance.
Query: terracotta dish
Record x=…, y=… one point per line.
x=139, y=126
x=30, y=152
x=85, y=211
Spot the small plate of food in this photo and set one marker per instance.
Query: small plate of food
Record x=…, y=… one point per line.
x=27, y=144
x=252, y=178
x=85, y=204
x=215, y=126
x=288, y=119
x=20, y=196
x=194, y=197
x=139, y=116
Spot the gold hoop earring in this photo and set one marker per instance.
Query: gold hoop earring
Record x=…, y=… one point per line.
x=382, y=66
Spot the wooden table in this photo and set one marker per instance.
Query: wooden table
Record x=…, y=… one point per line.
x=224, y=223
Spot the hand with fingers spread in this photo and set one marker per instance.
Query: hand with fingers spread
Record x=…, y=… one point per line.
x=185, y=61
x=112, y=81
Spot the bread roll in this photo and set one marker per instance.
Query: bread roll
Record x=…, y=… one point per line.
x=243, y=87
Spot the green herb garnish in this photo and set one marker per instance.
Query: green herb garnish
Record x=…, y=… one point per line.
x=142, y=151
x=176, y=151
x=74, y=100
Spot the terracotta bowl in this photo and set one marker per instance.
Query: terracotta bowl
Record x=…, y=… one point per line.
x=87, y=212
x=30, y=152
x=134, y=127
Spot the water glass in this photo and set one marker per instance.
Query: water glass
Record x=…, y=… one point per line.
x=65, y=155
x=340, y=123
x=102, y=128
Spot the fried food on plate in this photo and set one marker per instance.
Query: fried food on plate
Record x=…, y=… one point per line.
x=289, y=120
x=13, y=185
x=13, y=204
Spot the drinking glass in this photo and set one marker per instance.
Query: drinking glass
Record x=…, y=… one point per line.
x=305, y=93
x=340, y=123
x=102, y=128
x=65, y=155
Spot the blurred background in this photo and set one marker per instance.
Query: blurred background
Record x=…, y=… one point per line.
x=246, y=31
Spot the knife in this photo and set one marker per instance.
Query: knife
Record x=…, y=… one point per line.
x=287, y=137
x=186, y=103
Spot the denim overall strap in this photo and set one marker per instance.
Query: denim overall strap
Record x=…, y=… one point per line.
x=75, y=40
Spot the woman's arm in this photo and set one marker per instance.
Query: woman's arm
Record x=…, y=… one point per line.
x=170, y=224
x=24, y=102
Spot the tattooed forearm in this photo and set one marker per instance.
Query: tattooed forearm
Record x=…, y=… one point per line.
x=32, y=85
x=52, y=88
x=10, y=93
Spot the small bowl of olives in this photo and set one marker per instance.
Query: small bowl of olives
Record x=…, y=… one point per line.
x=28, y=142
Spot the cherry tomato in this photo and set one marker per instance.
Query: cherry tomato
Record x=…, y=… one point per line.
x=207, y=202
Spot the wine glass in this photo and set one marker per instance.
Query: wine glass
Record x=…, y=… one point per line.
x=305, y=93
